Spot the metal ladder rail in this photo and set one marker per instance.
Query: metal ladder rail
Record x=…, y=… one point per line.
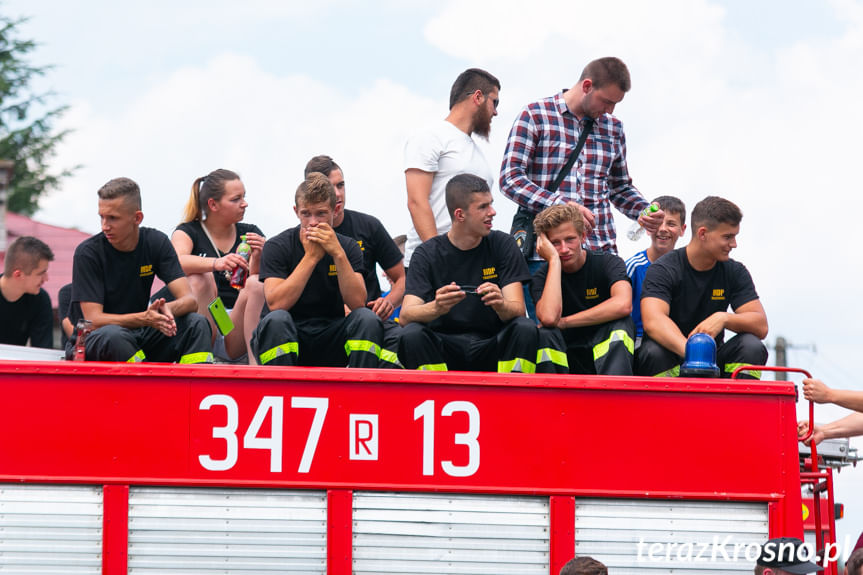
x=812, y=477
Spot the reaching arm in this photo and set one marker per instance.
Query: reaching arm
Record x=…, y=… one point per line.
x=617, y=306
x=660, y=327
x=419, y=185
x=849, y=426
x=815, y=390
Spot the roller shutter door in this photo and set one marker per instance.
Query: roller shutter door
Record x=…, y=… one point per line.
x=610, y=530
x=226, y=531
x=416, y=533
x=50, y=529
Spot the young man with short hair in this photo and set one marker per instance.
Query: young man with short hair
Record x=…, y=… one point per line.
x=463, y=307
x=688, y=291
x=378, y=248
x=25, y=308
x=112, y=276
x=584, y=566
x=310, y=274
x=445, y=149
x=545, y=133
x=661, y=242
x=583, y=293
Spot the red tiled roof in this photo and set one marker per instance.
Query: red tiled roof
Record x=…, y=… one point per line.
x=62, y=242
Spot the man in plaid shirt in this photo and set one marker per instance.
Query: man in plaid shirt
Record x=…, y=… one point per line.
x=546, y=132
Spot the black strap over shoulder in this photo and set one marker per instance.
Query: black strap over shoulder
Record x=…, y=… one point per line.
x=582, y=138
x=522, y=222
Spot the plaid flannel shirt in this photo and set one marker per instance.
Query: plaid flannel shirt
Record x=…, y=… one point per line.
x=541, y=139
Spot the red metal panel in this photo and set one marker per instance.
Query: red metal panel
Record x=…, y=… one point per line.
x=115, y=529
x=562, y=511
x=569, y=435
x=339, y=531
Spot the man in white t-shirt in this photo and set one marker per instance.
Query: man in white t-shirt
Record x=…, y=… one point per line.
x=446, y=149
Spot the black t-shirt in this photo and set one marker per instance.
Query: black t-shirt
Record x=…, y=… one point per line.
x=376, y=244
x=321, y=297
x=202, y=246
x=29, y=318
x=65, y=309
x=589, y=286
x=693, y=295
x=122, y=281
x=437, y=263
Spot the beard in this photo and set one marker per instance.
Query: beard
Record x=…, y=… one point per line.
x=481, y=124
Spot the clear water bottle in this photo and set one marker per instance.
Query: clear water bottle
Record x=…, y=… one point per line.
x=636, y=231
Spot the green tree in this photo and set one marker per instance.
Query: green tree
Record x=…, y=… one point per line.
x=27, y=136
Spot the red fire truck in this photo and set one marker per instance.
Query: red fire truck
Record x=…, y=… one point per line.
x=146, y=468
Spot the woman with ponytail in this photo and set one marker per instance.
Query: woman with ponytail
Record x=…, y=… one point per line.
x=206, y=243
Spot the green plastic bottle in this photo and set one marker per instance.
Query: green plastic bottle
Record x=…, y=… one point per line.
x=238, y=278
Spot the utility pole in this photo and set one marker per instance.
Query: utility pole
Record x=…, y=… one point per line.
x=781, y=360
x=781, y=348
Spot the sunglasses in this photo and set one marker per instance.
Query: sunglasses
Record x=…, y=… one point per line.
x=495, y=101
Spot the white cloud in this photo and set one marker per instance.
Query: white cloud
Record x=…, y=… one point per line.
x=232, y=114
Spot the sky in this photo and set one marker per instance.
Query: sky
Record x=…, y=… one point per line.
x=746, y=100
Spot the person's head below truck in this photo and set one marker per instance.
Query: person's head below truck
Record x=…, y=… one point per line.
x=784, y=555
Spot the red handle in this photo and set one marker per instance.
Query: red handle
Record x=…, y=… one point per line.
x=814, y=455
x=768, y=368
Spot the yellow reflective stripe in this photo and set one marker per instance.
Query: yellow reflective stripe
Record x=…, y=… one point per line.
x=555, y=356
x=390, y=357
x=433, y=367
x=362, y=345
x=516, y=365
x=138, y=357
x=730, y=367
x=602, y=347
x=673, y=372
x=200, y=357
x=280, y=350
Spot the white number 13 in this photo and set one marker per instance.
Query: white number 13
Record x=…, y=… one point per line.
x=425, y=411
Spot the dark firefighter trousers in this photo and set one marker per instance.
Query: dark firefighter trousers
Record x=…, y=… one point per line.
x=354, y=340
x=519, y=347
x=742, y=349
x=607, y=349
x=192, y=344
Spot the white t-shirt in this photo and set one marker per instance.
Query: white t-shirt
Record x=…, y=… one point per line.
x=447, y=151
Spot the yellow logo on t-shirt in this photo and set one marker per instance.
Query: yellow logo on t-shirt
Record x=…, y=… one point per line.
x=489, y=273
x=591, y=293
x=718, y=295
x=360, y=243
x=333, y=271
x=146, y=271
